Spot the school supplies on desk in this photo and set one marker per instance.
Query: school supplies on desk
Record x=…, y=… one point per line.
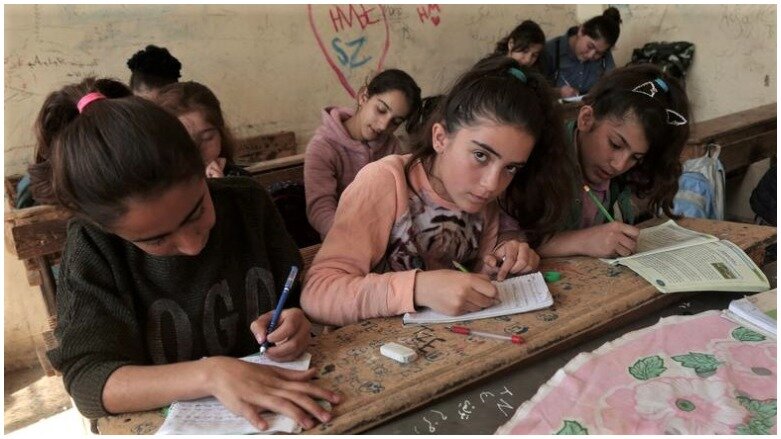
x=515, y=339
x=209, y=416
x=674, y=259
x=517, y=295
x=756, y=312
x=280, y=304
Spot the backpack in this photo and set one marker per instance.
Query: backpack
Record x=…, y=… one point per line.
x=763, y=198
x=673, y=58
x=701, y=187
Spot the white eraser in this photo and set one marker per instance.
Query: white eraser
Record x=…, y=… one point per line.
x=397, y=352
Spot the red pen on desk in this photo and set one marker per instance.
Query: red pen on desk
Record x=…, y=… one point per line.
x=517, y=339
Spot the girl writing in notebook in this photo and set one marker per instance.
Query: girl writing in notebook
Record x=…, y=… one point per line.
x=627, y=141
x=198, y=109
x=406, y=218
x=350, y=139
x=164, y=274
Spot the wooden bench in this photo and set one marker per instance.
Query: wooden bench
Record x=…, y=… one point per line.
x=745, y=137
x=283, y=169
x=265, y=147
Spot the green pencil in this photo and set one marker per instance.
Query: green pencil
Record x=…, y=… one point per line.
x=599, y=205
x=460, y=267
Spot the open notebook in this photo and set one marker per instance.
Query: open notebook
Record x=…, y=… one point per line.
x=517, y=295
x=209, y=416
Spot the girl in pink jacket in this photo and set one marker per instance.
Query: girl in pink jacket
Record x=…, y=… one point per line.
x=494, y=143
x=349, y=140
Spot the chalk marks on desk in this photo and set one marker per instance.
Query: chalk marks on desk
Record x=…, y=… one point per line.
x=485, y=403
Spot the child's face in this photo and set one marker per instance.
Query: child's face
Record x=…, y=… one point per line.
x=176, y=222
x=589, y=49
x=381, y=114
x=476, y=164
x=204, y=134
x=528, y=56
x=609, y=147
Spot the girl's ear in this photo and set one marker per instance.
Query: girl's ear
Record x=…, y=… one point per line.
x=438, y=137
x=510, y=45
x=362, y=96
x=586, y=118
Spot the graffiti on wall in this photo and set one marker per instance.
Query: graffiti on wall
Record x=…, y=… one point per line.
x=353, y=38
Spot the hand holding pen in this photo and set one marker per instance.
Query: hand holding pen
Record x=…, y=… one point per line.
x=288, y=329
x=567, y=90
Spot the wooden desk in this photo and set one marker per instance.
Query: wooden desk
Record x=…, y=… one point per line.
x=746, y=137
x=591, y=297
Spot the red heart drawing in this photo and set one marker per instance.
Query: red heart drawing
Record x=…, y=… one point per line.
x=435, y=20
x=356, y=20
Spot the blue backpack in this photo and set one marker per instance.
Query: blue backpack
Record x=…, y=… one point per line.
x=701, y=187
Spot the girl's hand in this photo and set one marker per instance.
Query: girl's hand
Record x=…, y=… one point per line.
x=215, y=168
x=291, y=336
x=567, y=91
x=609, y=239
x=246, y=389
x=511, y=257
x=453, y=292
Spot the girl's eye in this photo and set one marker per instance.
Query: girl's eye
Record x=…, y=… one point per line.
x=480, y=156
x=615, y=146
x=156, y=242
x=381, y=110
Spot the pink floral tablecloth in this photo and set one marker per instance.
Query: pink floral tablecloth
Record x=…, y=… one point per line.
x=701, y=374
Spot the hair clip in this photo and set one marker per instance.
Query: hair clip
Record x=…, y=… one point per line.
x=675, y=118
x=649, y=89
x=88, y=99
x=518, y=73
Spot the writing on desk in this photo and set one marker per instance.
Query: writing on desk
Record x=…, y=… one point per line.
x=500, y=399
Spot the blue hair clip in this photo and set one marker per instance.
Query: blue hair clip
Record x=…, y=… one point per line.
x=662, y=84
x=518, y=73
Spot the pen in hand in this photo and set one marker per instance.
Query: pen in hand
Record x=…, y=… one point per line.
x=280, y=304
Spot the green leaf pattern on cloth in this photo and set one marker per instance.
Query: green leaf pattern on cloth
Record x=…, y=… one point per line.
x=703, y=364
x=762, y=418
x=745, y=334
x=647, y=368
x=572, y=427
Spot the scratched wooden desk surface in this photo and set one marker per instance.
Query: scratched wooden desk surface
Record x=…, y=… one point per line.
x=591, y=297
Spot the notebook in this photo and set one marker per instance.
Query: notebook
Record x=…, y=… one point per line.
x=756, y=312
x=517, y=295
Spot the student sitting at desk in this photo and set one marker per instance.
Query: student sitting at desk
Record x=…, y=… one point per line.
x=151, y=69
x=524, y=44
x=405, y=219
x=166, y=276
x=575, y=61
x=348, y=140
x=198, y=109
x=627, y=140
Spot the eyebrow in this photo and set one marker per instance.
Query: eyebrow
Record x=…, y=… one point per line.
x=628, y=145
x=187, y=218
x=493, y=151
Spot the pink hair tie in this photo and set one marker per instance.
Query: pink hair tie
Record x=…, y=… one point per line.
x=88, y=99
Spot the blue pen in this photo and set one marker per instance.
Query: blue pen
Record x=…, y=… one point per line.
x=281, y=304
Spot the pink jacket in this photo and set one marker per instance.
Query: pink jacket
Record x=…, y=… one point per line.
x=381, y=229
x=332, y=160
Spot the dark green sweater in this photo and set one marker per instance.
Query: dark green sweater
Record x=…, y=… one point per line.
x=117, y=305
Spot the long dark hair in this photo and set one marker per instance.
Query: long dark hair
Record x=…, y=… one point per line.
x=541, y=193
x=184, y=97
x=523, y=36
x=606, y=26
x=656, y=176
x=50, y=122
x=395, y=79
x=115, y=149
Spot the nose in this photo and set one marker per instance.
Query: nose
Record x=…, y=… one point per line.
x=490, y=180
x=619, y=162
x=189, y=242
x=385, y=123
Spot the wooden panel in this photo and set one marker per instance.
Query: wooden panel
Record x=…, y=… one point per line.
x=706, y=131
x=265, y=147
x=591, y=297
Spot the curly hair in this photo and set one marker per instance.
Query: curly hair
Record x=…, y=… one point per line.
x=152, y=68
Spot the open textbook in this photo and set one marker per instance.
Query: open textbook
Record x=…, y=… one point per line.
x=756, y=312
x=517, y=295
x=675, y=259
x=209, y=416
